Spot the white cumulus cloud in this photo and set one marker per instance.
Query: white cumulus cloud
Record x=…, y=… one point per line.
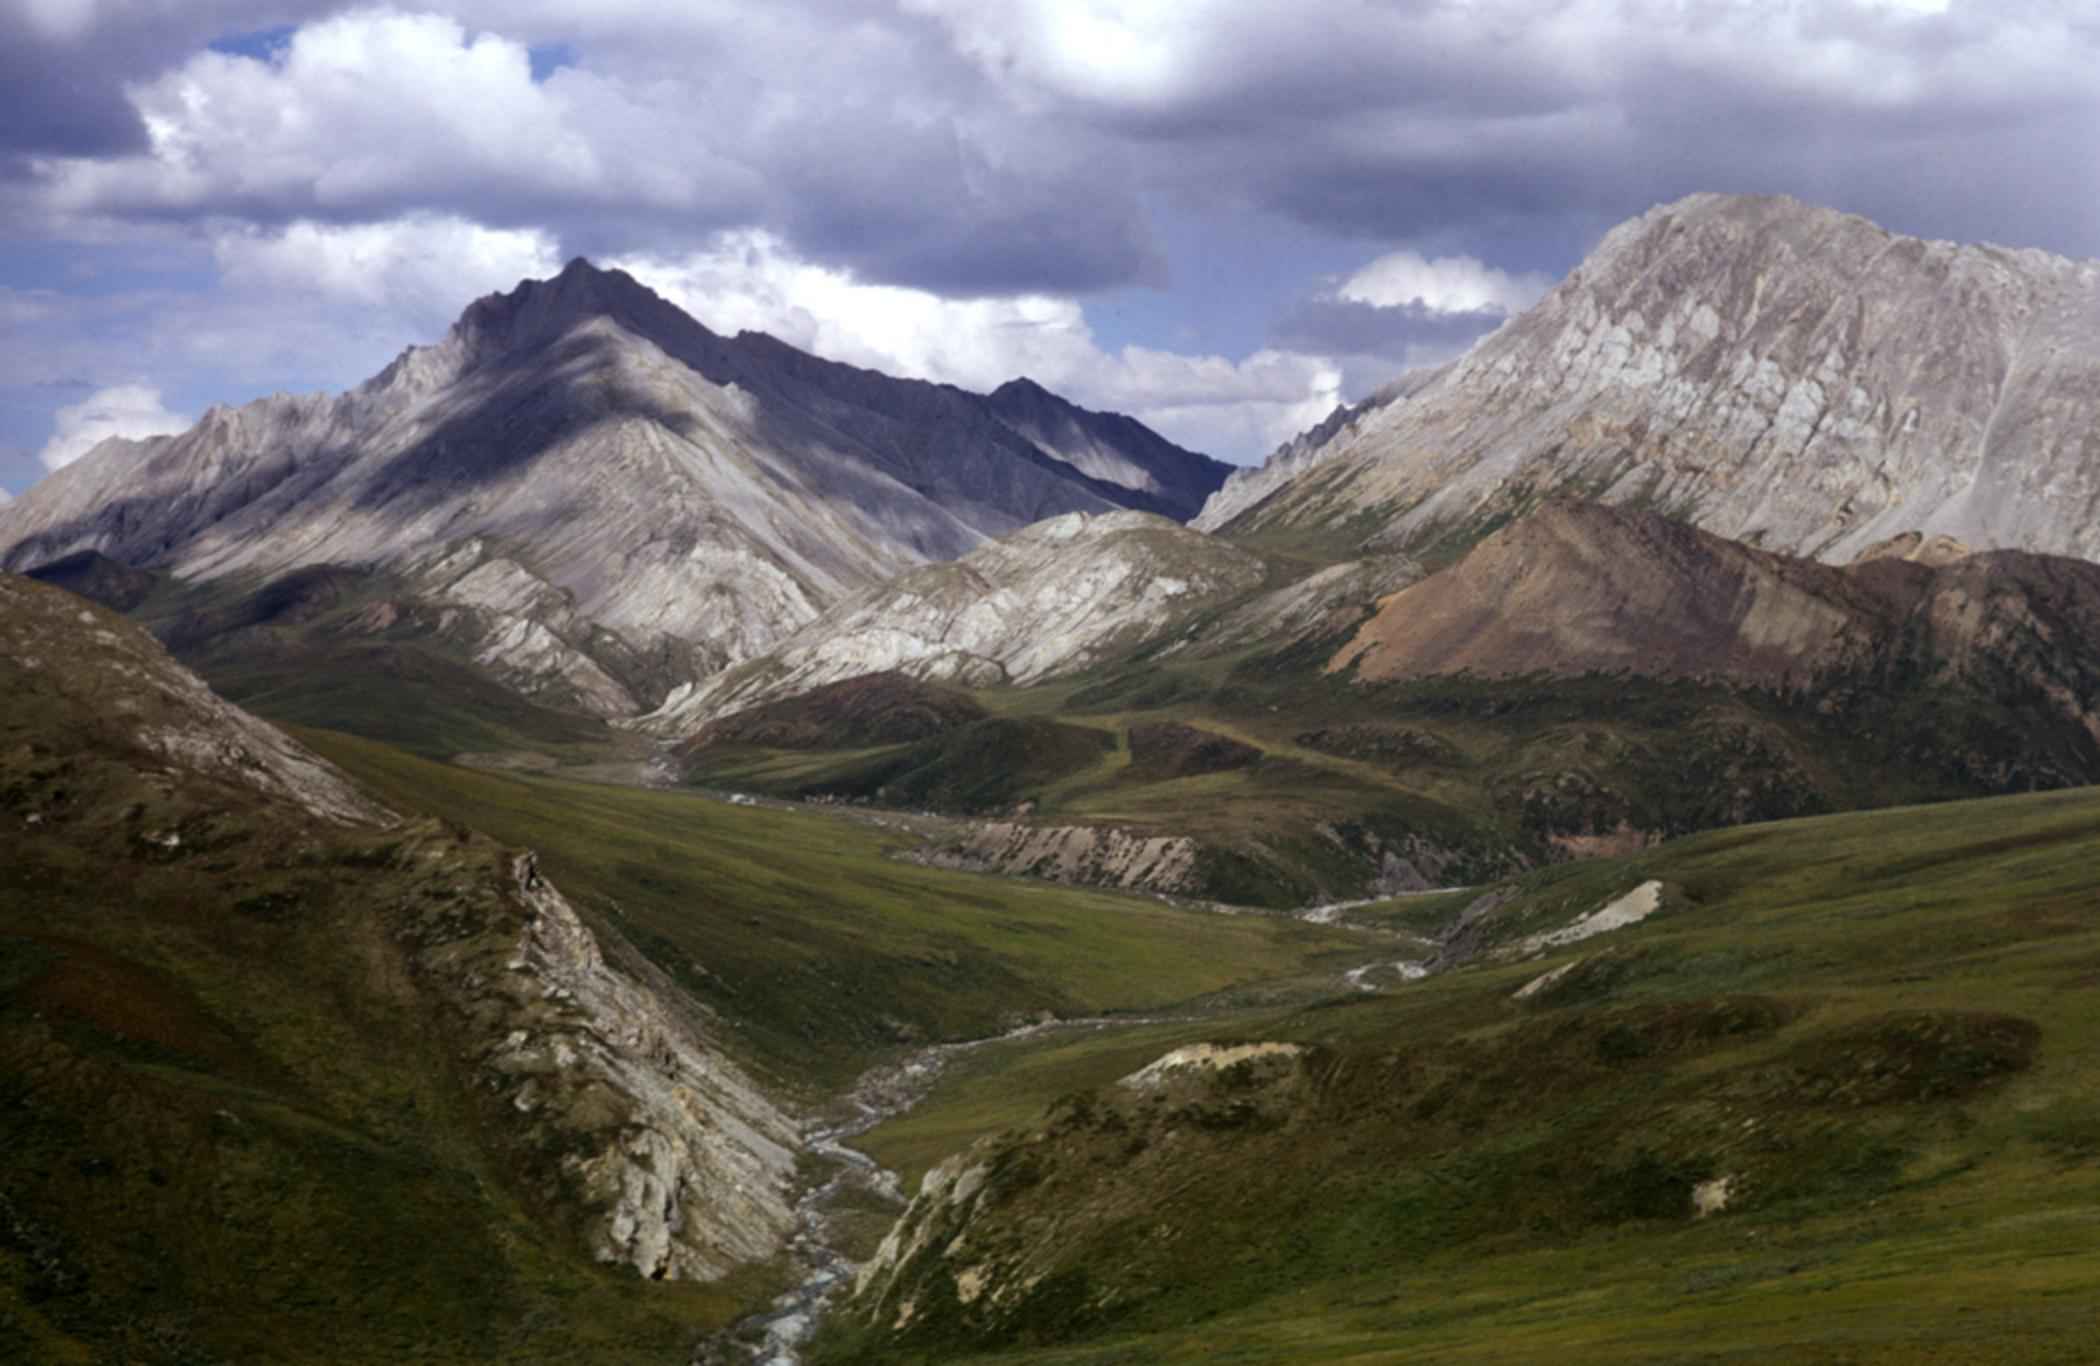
x=1236, y=409
x=127, y=410
x=374, y=112
x=421, y=264
x=1443, y=284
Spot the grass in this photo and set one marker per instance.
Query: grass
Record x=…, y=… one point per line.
x=1464, y=778
x=820, y=947
x=1881, y=1025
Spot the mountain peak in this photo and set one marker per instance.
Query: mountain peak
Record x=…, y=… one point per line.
x=537, y=312
x=1021, y=386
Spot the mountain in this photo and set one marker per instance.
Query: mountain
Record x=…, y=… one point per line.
x=1054, y=598
x=1585, y=680
x=1580, y=588
x=602, y=485
x=292, y=1073
x=1786, y=376
x=1110, y=447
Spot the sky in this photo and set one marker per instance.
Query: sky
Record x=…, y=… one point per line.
x=1222, y=216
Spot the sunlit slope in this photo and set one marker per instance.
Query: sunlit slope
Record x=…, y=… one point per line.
x=1868, y=1043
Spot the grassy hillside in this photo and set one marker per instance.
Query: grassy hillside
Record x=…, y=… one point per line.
x=240, y=1110
x=1332, y=785
x=819, y=947
x=1878, y=1029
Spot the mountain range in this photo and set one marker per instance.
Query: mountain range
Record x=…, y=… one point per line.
x=601, y=491
x=494, y=860
x=1766, y=452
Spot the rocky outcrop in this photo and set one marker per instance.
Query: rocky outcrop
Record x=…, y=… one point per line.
x=1790, y=377
x=684, y=1167
x=637, y=475
x=999, y=1242
x=87, y=661
x=1057, y=597
x=1101, y=856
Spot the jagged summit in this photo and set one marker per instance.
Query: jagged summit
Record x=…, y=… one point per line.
x=1777, y=373
x=536, y=312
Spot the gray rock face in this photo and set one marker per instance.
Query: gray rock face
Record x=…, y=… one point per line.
x=1247, y=488
x=1054, y=598
x=1787, y=376
x=697, y=1177
x=660, y=482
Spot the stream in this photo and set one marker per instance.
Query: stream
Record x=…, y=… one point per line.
x=777, y=1335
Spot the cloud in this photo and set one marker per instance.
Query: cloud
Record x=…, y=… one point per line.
x=372, y=113
x=126, y=410
x=655, y=129
x=1446, y=284
x=422, y=263
x=1233, y=408
x=1529, y=125
x=1405, y=310
x=1372, y=344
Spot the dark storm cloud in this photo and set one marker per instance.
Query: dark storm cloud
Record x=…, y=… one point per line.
x=963, y=212
x=871, y=144
x=64, y=66
x=974, y=147
x=1533, y=125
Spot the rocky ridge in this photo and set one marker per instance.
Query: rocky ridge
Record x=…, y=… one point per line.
x=1050, y=599
x=1787, y=376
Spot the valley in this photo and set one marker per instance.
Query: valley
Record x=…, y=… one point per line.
x=614, y=842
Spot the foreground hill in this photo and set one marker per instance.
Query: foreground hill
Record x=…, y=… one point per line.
x=294, y=1071
x=599, y=491
x=1816, y=1091
x=1782, y=375
x=282, y=1067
